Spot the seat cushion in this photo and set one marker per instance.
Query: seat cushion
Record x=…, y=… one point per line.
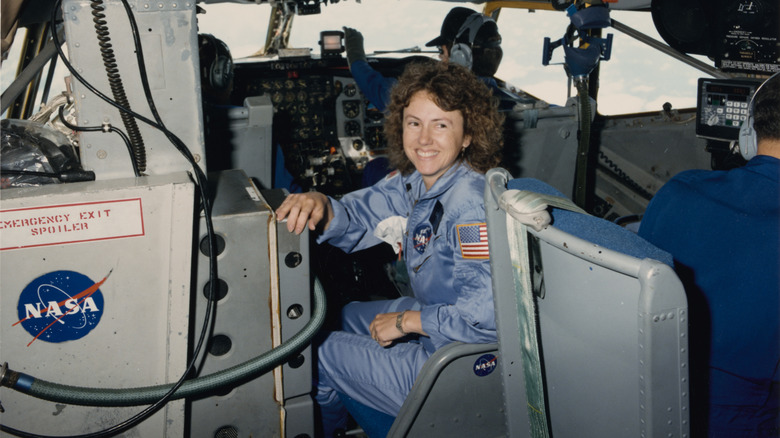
x=374, y=423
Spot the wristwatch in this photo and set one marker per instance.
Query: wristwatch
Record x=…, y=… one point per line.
x=399, y=321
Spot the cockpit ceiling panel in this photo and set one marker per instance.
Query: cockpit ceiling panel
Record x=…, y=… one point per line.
x=527, y=4
x=557, y=4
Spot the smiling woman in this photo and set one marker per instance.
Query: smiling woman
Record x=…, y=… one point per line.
x=444, y=131
x=441, y=93
x=433, y=138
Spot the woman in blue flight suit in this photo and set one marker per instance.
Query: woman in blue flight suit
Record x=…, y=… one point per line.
x=444, y=133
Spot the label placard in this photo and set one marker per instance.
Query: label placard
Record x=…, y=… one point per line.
x=70, y=223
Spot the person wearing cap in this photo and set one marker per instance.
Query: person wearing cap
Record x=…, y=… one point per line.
x=485, y=46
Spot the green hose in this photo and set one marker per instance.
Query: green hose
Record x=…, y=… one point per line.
x=105, y=397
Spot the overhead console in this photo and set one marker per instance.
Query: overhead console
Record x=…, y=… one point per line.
x=739, y=35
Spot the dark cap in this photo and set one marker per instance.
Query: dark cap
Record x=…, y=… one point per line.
x=487, y=35
x=452, y=23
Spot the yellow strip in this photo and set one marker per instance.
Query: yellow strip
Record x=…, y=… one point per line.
x=490, y=7
x=534, y=408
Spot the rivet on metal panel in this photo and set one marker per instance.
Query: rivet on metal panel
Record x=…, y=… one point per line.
x=293, y=259
x=295, y=311
x=296, y=361
x=220, y=345
x=221, y=290
x=204, y=245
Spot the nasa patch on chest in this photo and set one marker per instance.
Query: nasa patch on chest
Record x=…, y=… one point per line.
x=422, y=236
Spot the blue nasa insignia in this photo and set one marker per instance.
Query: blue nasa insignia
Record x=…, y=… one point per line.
x=60, y=306
x=422, y=236
x=485, y=365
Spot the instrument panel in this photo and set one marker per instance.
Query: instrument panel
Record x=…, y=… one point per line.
x=326, y=129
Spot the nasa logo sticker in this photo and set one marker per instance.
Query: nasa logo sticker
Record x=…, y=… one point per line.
x=422, y=235
x=485, y=364
x=60, y=306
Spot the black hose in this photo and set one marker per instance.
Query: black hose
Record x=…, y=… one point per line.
x=105, y=128
x=116, y=84
x=581, y=186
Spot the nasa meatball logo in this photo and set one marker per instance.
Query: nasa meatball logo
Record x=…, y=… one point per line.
x=60, y=306
x=422, y=235
x=485, y=365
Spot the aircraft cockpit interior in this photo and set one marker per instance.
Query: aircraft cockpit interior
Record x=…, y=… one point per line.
x=147, y=287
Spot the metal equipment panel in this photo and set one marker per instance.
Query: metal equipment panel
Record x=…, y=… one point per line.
x=96, y=281
x=259, y=304
x=168, y=35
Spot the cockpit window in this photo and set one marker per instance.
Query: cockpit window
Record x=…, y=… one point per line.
x=637, y=78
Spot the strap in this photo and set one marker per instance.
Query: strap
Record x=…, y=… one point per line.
x=526, y=208
x=530, y=208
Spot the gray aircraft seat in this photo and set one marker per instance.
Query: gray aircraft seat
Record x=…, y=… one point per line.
x=611, y=329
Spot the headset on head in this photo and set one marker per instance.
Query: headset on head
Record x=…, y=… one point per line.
x=461, y=52
x=748, y=142
x=220, y=72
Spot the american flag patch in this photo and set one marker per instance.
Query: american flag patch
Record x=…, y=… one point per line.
x=473, y=241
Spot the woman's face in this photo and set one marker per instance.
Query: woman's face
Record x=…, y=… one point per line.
x=433, y=138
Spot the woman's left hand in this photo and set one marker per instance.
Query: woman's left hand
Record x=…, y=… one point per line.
x=383, y=328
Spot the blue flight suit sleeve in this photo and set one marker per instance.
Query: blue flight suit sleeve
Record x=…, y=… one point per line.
x=357, y=214
x=372, y=84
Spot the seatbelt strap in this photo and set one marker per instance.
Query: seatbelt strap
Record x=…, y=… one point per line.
x=524, y=209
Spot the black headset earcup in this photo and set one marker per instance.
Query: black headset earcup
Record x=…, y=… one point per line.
x=222, y=67
x=220, y=71
x=461, y=55
x=748, y=143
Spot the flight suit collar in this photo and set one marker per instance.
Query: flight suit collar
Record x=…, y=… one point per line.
x=441, y=185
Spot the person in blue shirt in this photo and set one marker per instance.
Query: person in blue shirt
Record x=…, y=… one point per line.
x=443, y=132
x=457, y=28
x=723, y=230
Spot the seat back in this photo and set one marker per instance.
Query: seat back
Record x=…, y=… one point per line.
x=612, y=325
x=455, y=394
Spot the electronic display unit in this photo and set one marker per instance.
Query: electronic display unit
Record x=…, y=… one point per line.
x=331, y=43
x=723, y=106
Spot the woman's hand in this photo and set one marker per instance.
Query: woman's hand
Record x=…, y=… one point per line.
x=384, y=329
x=303, y=208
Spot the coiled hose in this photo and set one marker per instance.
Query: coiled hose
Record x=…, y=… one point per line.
x=106, y=397
x=116, y=84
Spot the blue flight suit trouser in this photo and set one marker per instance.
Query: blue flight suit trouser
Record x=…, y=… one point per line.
x=352, y=363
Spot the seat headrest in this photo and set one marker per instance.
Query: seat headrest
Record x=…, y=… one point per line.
x=593, y=229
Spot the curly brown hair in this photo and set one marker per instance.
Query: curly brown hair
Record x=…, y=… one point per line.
x=453, y=88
